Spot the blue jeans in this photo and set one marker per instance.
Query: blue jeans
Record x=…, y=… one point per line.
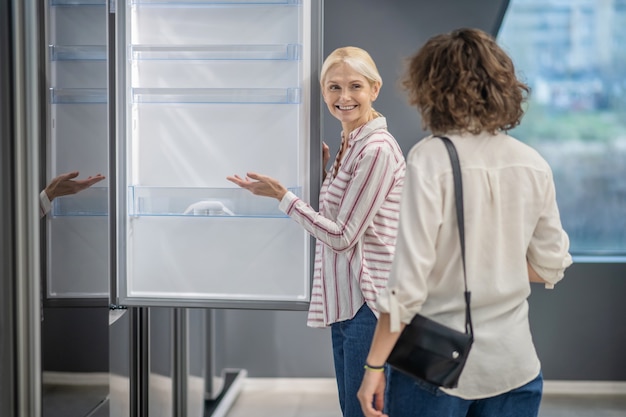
x=408, y=397
x=351, y=344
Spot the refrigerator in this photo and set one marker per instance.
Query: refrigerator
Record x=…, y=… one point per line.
x=167, y=98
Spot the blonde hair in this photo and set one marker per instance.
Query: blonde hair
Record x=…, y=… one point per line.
x=358, y=59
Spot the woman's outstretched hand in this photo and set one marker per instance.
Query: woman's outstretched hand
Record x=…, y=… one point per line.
x=65, y=184
x=259, y=184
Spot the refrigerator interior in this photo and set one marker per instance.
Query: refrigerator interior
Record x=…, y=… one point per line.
x=77, y=255
x=211, y=89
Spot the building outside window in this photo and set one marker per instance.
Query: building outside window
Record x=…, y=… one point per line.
x=572, y=53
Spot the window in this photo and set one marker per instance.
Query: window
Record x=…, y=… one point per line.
x=572, y=54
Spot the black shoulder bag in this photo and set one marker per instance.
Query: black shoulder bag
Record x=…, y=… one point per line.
x=427, y=350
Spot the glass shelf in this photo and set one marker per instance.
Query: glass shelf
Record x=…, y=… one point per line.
x=78, y=95
x=78, y=52
x=201, y=202
x=217, y=95
x=77, y=2
x=93, y=201
x=289, y=52
x=211, y=2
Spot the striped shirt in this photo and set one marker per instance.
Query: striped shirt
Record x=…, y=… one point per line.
x=356, y=225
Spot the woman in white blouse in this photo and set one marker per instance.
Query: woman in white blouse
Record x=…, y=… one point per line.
x=465, y=88
x=356, y=224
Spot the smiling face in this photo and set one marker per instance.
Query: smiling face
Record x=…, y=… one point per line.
x=349, y=96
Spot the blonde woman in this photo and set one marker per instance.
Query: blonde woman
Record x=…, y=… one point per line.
x=357, y=221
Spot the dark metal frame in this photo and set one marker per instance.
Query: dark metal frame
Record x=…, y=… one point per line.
x=7, y=214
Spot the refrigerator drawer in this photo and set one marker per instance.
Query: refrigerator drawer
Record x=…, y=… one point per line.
x=216, y=259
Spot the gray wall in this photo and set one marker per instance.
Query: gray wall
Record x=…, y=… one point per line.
x=576, y=326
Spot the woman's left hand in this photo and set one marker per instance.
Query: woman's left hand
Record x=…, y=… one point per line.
x=259, y=184
x=325, y=155
x=372, y=394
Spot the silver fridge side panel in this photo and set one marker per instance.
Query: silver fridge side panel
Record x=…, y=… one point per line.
x=26, y=124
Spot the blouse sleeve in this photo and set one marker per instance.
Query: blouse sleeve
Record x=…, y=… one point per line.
x=372, y=179
x=44, y=203
x=548, y=251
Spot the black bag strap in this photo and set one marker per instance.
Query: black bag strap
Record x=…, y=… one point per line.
x=458, y=196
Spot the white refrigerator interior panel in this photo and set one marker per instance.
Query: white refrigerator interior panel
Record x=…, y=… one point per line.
x=79, y=24
x=205, y=23
x=181, y=145
x=79, y=140
x=189, y=73
x=218, y=259
x=79, y=267
x=79, y=73
x=212, y=89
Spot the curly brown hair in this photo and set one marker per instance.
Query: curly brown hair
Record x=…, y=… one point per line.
x=464, y=81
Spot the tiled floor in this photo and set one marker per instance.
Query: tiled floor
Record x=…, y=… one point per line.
x=293, y=397
x=286, y=398
x=583, y=406
x=318, y=398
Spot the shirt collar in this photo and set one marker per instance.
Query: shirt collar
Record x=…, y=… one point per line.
x=365, y=130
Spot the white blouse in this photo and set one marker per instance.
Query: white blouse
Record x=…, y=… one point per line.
x=511, y=217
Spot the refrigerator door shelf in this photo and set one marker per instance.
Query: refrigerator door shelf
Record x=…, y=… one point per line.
x=93, y=201
x=212, y=2
x=217, y=95
x=273, y=80
x=78, y=95
x=287, y=52
x=78, y=52
x=201, y=202
x=77, y=2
